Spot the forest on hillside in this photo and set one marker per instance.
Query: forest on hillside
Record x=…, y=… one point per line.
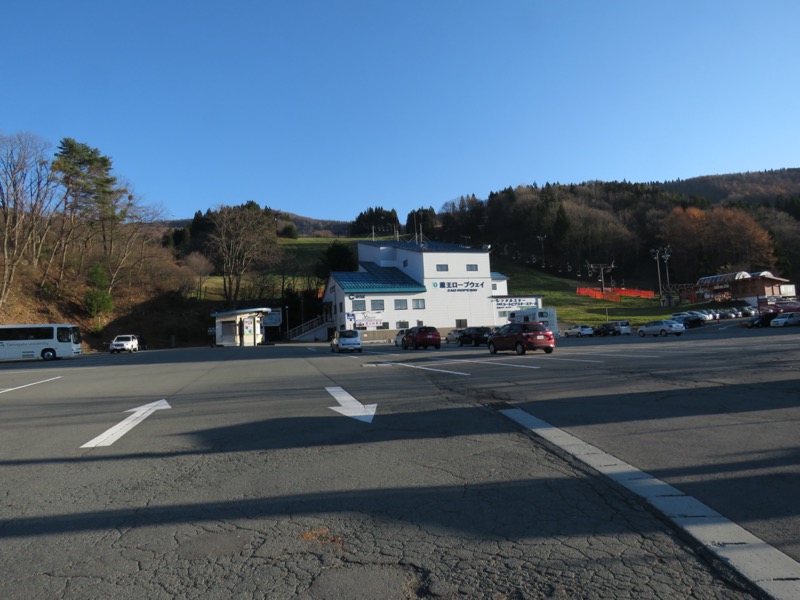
x=74, y=236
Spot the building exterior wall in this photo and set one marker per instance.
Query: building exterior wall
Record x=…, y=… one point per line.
x=459, y=292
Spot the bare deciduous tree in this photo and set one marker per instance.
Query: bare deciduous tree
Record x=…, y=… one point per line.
x=26, y=201
x=244, y=239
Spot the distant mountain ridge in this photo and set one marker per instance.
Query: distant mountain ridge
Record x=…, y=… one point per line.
x=750, y=186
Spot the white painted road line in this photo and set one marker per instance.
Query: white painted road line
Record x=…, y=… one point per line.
x=110, y=436
x=428, y=369
x=29, y=384
x=766, y=567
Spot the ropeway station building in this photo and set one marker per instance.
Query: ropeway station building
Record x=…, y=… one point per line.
x=402, y=284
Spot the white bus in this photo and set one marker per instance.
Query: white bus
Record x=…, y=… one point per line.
x=47, y=342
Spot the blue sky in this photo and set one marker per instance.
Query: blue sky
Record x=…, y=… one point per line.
x=326, y=108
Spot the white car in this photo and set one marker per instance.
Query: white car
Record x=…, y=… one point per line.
x=452, y=336
x=348, y=340
x=124, y=343
x=662, y=328
x=578, y=331
x=398, y=339
x=786, y=319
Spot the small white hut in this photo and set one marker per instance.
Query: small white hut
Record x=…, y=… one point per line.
x=240, y=327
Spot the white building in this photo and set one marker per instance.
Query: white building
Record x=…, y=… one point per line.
x=240, y=327
x=402, y=284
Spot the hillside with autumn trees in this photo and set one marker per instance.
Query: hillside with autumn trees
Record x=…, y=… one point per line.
x=79, y=246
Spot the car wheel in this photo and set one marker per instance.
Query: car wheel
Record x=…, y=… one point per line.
x=580, y=334
x=641, y=333
x=476, y=343
x=405, y=346
x=414, y=345
x=566, y=335
x=48, y=354
x=519, y=348
x=437, y=346
x=492, y=349
x=548, y=350
x=663, y=333
x=460, y=343
x=332, y=349
x=360, y=350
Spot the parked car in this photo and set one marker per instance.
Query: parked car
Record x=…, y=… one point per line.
x=579, y=331
x=661, y=328
x=474, y=335
x=605, y=329
x=348, y=340
x=452, y=336
x=398, y=339
x=124, y=343
x=786, y=319
x=522, y=337
x=621, y=327
x=689, y=321
x=421, y=337
x=762, y=320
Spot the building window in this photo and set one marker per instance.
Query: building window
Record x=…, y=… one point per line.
x=341, y=306
x=384, y=325
x=376, y=305
x=418, y=304
x=401, y=325
x=472, y=268
x=494, y=287
x=442, y=268
x=461, y=323
x=359, y=305
x=401, y=304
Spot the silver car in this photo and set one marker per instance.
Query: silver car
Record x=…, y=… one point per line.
x=348, y=340
x=662, y=328
x=452, y=336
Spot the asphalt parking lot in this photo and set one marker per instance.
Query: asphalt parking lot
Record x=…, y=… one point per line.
x=288, y=471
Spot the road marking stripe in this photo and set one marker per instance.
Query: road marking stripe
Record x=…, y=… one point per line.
x=765, y=566
x=29, y=384
x=429, y=369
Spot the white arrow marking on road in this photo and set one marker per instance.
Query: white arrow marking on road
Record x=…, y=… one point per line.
x=350, y=407
x=139, y=414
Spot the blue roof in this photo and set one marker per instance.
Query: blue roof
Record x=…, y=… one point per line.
x=374, y=279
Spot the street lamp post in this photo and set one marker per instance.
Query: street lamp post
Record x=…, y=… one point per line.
x=656, y=254
x=662, y=253
x=665, y=254
x=287, y=321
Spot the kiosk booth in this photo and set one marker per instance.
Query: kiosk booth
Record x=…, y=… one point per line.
x=240, y=327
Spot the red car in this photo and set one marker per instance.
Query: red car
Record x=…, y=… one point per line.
x=522, y=337
x=422, y=337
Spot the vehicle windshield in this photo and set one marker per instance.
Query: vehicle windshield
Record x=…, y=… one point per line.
x=349, y=334
x=122, y=338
